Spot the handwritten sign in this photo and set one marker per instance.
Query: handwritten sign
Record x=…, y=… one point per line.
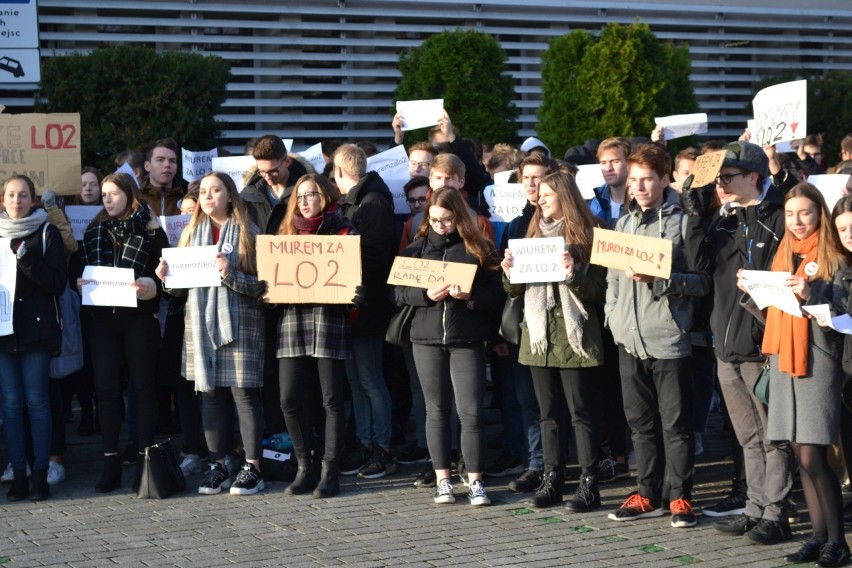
x=781, y=113
x=537, y=260
x=80, y=216
x=314, y=156
x=43, y=147
x=506, y=201
x=707, y=167
x=420, y=114
x=191, y=267
x=397, y=189
x=197, y=164
x=832, y=187
x=174, y=225
x=108, y=286
x=8, y=280
x=588, y=178
x=309, y=269
x=422, y=273
x=235, y=166
x=643, y=255
x=680, y=125
x=390, y=164
x=767, y=288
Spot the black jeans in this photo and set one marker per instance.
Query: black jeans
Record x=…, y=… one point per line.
x=574, y=391
x=114, y=338
x=217, y=411
x=292, y=374
x=663, y=386
x=444, y=369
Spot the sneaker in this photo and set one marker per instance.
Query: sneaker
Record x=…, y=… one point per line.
x=413, y=454
x=682, y=515
x=354, y=460
x=191, y=465
x=248, y=481
x=379, y=465
x=730, y=506
x=504, y=465
x=130, y=453
x=9, y=475
x=476, y=495
x=527, y=482
x=426, y=478
x=768, y=532
x=215, y=480
x=738, y=525
x=611, y=470
x=444, y=492
x=636, y=507
x=55, y=473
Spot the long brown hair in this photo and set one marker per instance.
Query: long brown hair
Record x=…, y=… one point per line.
x=127, y=186
x=579, y=221
x=328, y=196
x=475, y=242
x=829, y=255
x=246, y=261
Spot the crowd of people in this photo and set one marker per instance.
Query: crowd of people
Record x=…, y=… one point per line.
x=602, y=353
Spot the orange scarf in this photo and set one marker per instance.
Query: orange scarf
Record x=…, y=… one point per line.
x=786, y=335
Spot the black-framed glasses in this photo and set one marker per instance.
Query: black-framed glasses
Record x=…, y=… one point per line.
x=444, y=221
x=416, y=164
x=307, y=197
x=273, y=173
x=416, y=200
x=725, y=179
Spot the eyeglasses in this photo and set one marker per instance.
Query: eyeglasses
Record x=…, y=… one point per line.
x=273, y=173
x=725, y=179
x=307, y=197
x=416, y=201
x=415, y=164
x=445, y=221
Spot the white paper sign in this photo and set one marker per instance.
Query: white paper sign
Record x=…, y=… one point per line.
x=108, y=286
x=197, y=164
x=588, y=178
x=288, y=143
x=781, y=113
x=80, y=216
x=420, y=114
x=832, y=187
x=174, y=225
x=396, y=187
x=503, y=177
x=680, y=125
x=842, y=323
x=235, y=166
x=191, y=267
x=314, y=156
x=537, y=260
x=8, y=279
x=767, y=288
x=390, y=164
x=127, y=169
x=822, y=313
x=506, y=201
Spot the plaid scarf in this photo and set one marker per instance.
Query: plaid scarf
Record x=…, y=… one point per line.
x=129, y=236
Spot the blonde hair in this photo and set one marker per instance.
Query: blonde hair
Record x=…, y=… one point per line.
x=352, y=160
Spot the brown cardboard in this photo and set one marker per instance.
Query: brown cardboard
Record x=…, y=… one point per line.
x=707, y=168
x=644, y=255
x=422, y=273
x=309, y=269
x=43, y=147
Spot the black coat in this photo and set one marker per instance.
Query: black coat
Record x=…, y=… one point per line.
x=41, y=276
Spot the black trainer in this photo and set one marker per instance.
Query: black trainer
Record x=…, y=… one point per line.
x=504, y=465
x=768, y=532
x=612, y=470
x=426, y=478
x=527, y=482
x=738, y=525
x=354, y=460
x=728, y=507
x=412, y=454
x=380, y=464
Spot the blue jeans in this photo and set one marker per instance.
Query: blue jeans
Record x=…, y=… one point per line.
x=371, y=402
x=24, y=381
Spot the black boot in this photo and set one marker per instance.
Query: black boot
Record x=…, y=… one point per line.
x=306, y=477
x=329, y=483
x=111, y=477
x=140, y=467
x=20, y=486
x=588, y=496
x=550, y=491
x=41, y=490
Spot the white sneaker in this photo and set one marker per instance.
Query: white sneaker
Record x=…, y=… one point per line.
x=9, y=475
x=55, y=473
x=444, y=492
x=191, y=465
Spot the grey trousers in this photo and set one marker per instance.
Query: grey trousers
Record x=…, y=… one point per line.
x=768, y=465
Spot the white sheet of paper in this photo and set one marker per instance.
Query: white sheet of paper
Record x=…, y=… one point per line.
x=235, y=167
x=537, y=260
x=192, y=267
x=767, y=288
x=503, y=177
x=831, y=186
x=108, y=286
x=8, y=280
x=506, y=201
x=842, y=323
x=174, y=225
x=197, y=164
x=127, y=169
x=288, y=144
x=420, y=114
x=314, y=156
x=589, y=177
x=390, y=164
x=395, y=185
x=781, y=113
x=80, y=216
x=821, y=312
x=680, y=125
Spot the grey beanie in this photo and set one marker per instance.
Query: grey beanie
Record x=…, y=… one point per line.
x=747, y=156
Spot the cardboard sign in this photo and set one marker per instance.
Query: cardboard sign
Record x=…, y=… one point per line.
x=680, y=125
x=108, y=286
x=506, y=201
x=781, y=113
x=537, y=260
x=309, y=269
x=43, y=147
x=391, y=164
x=174, y=225
x=707, y=168
x=643, y=255
x=191, y=267
x=235, y=166
x=80, y=216
x=420, y=114
x=8, y=280
x=197, y=164
x=422, y=273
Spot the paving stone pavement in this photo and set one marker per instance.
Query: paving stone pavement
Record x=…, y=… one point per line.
x=385, y=522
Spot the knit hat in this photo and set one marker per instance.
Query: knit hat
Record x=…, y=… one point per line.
x=532, y=143
x=747, y=156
